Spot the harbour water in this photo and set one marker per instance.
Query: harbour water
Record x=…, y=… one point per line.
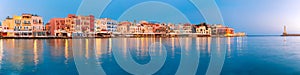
x=268, y=55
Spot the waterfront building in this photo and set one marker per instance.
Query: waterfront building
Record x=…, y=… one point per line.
x=97, y=27
x=229, y=31
x=148, y=27
x=37, y=26
x=58, y=27
x=48, y=29
x=106, y=25
x=111, y=25
x=220, y=30
x=72, y=25
x=123, y=27
x=136, y=29
x=8, y=27
x=25, y=25
x=17, y=26
x=203, y=29
x=170, y=28
x=177, y=29
x=85, y=25
x=187, y=28
x=159, y=28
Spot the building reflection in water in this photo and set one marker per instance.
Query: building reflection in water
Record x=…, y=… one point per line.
x=229, y=47
x=15, y=53
x=19, y=52
x=87, y=48
x=35, y=53
x=125, y=46
x=173, y=47
x=66, y=51
x=98, y=48
x=208, y=44
x=1, y=52
x=239, y=43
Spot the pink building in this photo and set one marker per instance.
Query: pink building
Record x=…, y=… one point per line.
x=72, y=25
x=58, y=27
x=37, y=25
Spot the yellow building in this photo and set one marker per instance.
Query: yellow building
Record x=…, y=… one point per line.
x=26, y=22
x=17, y=20
x=8, y=27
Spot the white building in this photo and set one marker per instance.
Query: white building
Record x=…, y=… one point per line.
x=123, y=27
x=106, y=25
x=37, y=25
x=136, y=29
x=185, y=28
x=203, y=30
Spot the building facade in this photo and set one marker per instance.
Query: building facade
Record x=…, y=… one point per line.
x=37, y=26
x=58, y=27
x=8, y=27
x=72, y=25
x=220, y=30
x=123, y=27
x=136, y=29
x=203, y=29
x=187, y=28
x=106, y=25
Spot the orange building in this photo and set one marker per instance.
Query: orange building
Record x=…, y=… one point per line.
x=229, y=31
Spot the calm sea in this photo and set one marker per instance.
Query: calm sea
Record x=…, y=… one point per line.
x=269, y=55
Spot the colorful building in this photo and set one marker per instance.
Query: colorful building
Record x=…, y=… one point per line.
x=203, y=29
x=58, y=27
x=8, y=27
x=136, y=29
x=72, y=26
x=229, y=31
x=148, y=27
x=123, y=27
x=106, y=25
x=86, y=23
x=26, y=24
x=37, y=26
x=17, y=26
x=220, y=30
x=71, y=23
x=187, y=28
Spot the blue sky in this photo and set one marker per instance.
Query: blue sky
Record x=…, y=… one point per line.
x=251, y=16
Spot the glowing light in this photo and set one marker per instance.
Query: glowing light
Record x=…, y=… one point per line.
x=87, y=48
x=66, y=50
x=35, y=53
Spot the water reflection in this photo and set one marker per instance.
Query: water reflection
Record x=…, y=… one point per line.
x=38, y=55
x=35, y=53
x=100, y=50
x=35, y=56
x=1, y=52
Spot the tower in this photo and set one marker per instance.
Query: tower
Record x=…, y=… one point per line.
x=284, y=31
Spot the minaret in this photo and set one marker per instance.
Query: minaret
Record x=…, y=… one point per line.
x=284, y=32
